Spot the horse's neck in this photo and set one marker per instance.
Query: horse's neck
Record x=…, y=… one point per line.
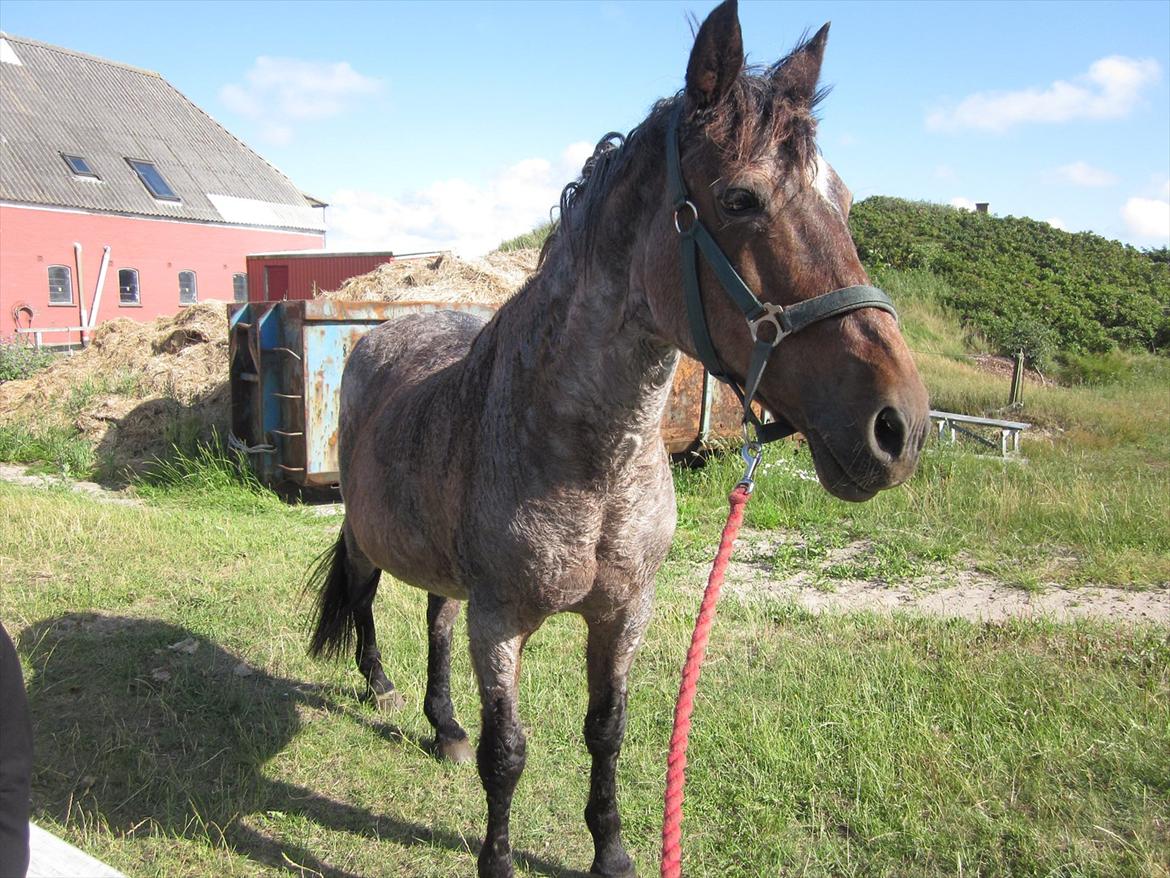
x=573, y=350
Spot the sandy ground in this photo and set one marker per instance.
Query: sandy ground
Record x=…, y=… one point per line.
x=945, y=591
x=19, y=475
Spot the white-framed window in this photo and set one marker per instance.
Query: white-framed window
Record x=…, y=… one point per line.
x=240, y=287
x=188, y=294
x=60, y=285
x=128, y=292
x=153, y=180
x=80, y=166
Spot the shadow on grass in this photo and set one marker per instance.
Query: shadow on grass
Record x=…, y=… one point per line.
x=131, y=732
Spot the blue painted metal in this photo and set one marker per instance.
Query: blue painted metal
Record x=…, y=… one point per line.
x=287, y=360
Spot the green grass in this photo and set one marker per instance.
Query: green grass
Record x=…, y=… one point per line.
x=822, y=746
x=55, y=449
x=528, y=240
x=19, y=360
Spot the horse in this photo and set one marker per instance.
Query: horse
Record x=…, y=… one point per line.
x=516, y=465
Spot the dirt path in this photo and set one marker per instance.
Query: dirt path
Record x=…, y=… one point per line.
x=964, y=593
x=19, y=475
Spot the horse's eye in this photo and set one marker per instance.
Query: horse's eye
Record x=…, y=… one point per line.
x=740, y=202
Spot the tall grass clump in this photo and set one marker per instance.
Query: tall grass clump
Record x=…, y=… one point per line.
x=55, y=449
x=210, y=474
x=529, y=240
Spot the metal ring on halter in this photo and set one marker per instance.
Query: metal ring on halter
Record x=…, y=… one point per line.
x=770, y=316
x=694, y=216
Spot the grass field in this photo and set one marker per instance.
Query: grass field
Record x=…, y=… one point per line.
x=181, y=731
x=852, y=745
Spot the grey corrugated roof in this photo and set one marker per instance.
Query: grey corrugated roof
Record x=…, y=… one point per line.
x=59, y=101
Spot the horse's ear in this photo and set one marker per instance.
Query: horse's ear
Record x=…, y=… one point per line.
x=797, y=74
x=717, y=57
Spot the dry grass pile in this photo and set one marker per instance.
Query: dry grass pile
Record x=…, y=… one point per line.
x=137, y=388
x=443, y=278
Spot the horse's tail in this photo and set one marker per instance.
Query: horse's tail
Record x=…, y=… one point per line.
x=337, y=599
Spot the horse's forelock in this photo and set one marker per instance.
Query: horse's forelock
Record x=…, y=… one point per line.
x=754, y=119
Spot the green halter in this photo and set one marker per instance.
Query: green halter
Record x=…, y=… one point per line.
x=783, y=320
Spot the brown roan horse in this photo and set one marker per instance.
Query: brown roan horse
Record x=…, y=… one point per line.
x=517, y=465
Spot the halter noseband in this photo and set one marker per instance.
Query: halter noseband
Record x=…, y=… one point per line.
x=784, y=321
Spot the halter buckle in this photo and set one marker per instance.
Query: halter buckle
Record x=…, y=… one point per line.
x=694, y=217
x=770, y=316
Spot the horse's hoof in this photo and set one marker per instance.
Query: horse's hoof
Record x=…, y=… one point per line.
x=457, y=751
x=389, y=702
x=386, y=702
x=623, y=868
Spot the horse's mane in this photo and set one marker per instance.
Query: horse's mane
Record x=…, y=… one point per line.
x=756, y=117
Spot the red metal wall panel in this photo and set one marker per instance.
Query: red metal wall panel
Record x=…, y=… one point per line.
x=32, y=239
x=310, y=274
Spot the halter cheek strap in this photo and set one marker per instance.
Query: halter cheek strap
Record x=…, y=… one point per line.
x=768, y=323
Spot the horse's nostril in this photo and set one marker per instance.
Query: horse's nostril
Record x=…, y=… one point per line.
x=889, y=431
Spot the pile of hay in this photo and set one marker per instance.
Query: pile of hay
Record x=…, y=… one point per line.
x=443, y=278
x=137, y=389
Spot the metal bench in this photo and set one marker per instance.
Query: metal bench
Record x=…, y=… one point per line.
x=1009, y=431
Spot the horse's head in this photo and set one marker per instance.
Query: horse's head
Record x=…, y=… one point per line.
x=775, y=207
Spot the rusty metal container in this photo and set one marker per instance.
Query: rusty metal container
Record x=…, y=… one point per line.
x=286, y=360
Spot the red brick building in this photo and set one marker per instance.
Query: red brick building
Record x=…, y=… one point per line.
x=94, y=155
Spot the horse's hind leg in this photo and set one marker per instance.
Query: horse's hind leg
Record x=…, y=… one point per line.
x=346, y=584
x=450, y=738
x=363, y=578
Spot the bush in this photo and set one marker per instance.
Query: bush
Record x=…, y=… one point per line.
x=1096, y=370
x=1022, y=283
x=19, y=360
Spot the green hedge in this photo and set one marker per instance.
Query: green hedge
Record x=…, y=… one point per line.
x=1024, y=284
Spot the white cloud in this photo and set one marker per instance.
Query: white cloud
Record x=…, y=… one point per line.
x=278, y=93
x=1083, y=174
x=454, y=214
x=1110, y=89
x=962, y=203
x=1057, y=223
x=1148, y=218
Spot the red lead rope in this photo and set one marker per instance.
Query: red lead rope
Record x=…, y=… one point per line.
x=676, y=764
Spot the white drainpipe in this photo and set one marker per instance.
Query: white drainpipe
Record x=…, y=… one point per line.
x=97, y=293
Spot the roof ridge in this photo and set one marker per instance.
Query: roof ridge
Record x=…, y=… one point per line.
x=62, y=50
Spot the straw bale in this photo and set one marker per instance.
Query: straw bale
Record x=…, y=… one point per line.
x=443, y=278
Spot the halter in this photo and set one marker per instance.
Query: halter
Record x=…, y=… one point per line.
x=783, y=321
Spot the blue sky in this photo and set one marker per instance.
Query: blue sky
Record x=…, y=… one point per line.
x=456, y=124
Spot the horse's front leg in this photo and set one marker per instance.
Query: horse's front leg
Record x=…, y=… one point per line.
x=610, y=652
x=495, y=652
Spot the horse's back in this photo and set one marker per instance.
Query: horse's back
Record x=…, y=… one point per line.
x=395, y=437
x=395, y=357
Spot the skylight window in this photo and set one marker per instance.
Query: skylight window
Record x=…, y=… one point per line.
x=154, y=182
x=79, y=166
